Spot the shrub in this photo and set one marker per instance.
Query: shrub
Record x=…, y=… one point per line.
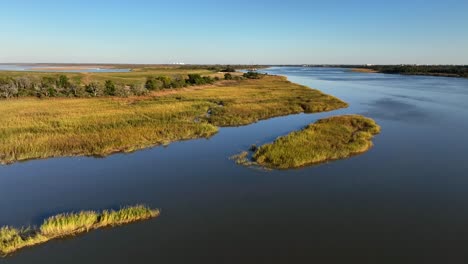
x=109, y=88
x=94, y=89
x=138, y=89
x=74, y=90
x=252, y=75
x=227, y=76
x=178, y=82
x=153, y=84
x=166, y=81
x=26, y=85
x=8, y=89
x=122, y=90
x=207, y=80
x=23, y=82
x=229, y=68
x=195, y=79
x=63, y=82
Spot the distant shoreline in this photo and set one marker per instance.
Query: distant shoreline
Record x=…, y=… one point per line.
x=363, y=70
x=71, y=68
x=435, y=74
x=459, y=71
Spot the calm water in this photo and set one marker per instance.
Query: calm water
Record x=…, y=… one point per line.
x=13, y=67
x=405, y=201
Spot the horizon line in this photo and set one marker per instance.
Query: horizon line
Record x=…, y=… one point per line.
x=238, y=64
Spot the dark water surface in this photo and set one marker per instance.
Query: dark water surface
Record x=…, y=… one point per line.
x=404, y=201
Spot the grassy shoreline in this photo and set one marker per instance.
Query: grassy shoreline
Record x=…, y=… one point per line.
x=56, y=127
x=327, y=139
x=64, y=225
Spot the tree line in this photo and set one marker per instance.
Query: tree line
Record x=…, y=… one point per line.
x=437, y=70
x=63, y=86
x=434, y=70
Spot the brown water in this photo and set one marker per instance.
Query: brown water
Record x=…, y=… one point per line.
x=404, y=201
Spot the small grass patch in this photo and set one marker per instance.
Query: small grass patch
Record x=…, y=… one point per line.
x=242, y=159
x=62, y=225
x=328, y=139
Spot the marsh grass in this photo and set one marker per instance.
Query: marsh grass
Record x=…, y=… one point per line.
x=69, y=223
x=328, y=139
x=249, y=101
x=62, y=225
x=32, y=128
x=242, y=159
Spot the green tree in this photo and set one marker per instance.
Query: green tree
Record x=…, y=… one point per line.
x=150, y=85
x=109, y=88
x=63, y=82
x=47, y=87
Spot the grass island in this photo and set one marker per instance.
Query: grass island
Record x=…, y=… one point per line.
x=64, y=225
x=327, y=139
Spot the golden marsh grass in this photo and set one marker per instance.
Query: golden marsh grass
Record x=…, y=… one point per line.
x=32, y=128
x=62, y=225
x=328, y=139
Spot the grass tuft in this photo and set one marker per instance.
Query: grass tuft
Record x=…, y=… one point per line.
x=13, y=239
x=69, y=223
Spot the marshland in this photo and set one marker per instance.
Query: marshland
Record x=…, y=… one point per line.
x=68, y=124
x=211, y=205
x=242, y=132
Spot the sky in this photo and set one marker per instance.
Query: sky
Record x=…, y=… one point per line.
x=235, y=32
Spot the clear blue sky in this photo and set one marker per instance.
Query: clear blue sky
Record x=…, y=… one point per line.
x=240, y=31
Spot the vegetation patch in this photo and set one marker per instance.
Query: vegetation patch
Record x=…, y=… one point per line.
x=62, y=86
x=62, y=225
x=252, y=75
x=242, y=159
x=364, y=70
x=431, y=70
x=328, y=139
x=32, y=128
x=250, y=100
